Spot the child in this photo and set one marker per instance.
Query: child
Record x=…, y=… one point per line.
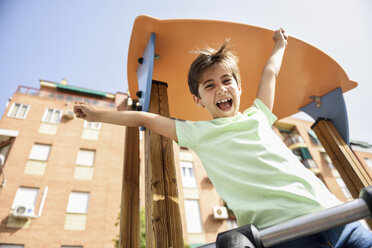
x=261, y=180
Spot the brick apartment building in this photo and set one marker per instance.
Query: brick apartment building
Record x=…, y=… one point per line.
x=66, y=173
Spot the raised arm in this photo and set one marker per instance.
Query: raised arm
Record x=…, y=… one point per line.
x=266, y=87
x=156, y=123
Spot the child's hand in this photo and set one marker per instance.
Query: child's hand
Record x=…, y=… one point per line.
x=85, y=111
x=280, y=36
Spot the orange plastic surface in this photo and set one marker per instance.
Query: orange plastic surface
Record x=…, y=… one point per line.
x=306, y=71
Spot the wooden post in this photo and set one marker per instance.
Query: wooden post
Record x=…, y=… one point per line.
x=130, y=213
x=163, y=219
x=343, y=158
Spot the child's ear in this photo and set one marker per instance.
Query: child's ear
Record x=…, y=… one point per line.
x=197, y=100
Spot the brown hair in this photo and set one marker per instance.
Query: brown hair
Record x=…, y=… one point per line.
x=209, y=57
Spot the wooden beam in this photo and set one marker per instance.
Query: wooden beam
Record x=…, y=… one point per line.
x=163, y=219
x=324, y=140
x=343, y=158
x=174, y=224
x=130, y=212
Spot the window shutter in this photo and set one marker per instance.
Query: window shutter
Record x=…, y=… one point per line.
x=25, y=197
x=85, y=157
x=78, y=202
x=40, y=152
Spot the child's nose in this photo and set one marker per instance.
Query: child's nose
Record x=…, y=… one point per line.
x=222, y=89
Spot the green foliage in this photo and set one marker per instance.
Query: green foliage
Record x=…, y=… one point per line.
x=142, y=230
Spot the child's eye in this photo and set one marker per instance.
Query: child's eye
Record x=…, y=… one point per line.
x=209, y=86
x=227, y=81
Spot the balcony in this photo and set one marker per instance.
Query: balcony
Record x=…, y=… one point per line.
x=64, y=96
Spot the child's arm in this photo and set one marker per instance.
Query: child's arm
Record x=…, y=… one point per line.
x=266, y=87
x=157, y=123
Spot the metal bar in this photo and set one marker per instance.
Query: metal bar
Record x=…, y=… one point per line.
x=312, y=223
x=315, y=223
x=144, y=73
x=210, y=245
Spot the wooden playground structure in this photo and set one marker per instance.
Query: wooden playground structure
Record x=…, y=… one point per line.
x=158, y=61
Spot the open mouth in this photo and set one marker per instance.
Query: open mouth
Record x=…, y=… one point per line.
x=224, y=104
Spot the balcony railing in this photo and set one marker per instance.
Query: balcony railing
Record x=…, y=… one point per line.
x=293, y=139
x=64, y=96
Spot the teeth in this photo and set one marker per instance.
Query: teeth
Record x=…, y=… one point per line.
x=224, y=100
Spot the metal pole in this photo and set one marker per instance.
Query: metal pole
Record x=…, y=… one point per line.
x=315, y=223
x=312, y=223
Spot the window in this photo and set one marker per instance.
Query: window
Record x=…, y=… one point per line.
x=314, y=139
x=60, y=96
x=303, y=154
x=192, y=213
x=368, y=162
x=2, y=162
x=328, y=160
x=78, y=203
x=3, y=154
x=52, y=115
x=4, y=150
x=92, y=125
x=18, y=110
x=85, y=157
x=337, y=176
x=84, y=165
x=40, y=152
x=77, y=209
x=69, y=99
x=188, y=176
x=25, y=197
x=343, y=187
x=91, y=130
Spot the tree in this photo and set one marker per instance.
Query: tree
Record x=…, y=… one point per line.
x=142, y=230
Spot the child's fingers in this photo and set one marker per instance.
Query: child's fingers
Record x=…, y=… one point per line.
x=280, y=34
x=79, y=105
x=285, y=35
x=80, y=114
x=79, y=111
x=282, y=31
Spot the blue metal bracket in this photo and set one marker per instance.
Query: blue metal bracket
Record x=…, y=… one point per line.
x=144, y=73
x=331, y=106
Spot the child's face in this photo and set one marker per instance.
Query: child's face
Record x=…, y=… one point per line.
x=219, y=92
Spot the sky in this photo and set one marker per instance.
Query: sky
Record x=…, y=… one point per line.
x=86, y=41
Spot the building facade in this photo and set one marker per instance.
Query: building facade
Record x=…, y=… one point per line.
x=61, y=177
x=59, y=186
